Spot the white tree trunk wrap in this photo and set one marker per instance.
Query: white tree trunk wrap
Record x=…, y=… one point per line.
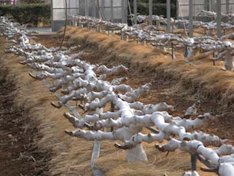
x=77, y=79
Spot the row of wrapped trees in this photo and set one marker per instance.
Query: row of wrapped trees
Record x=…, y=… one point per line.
x=109, y=110
x=222, y=48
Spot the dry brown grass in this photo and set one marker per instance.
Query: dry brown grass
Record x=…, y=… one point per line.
x=112, y=45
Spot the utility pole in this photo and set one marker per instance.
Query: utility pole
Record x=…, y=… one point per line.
x=168, y=15
x=227, y=6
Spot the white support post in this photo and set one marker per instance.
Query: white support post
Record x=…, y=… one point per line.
x=86, y=8
x=80, y=7
x=77, y=7
x=95, y=9
x=206, y=5
x=168, y=15
x=227, y=6
x=218, y=20
x=112, y=10
x=124, y=11
x=102, y=9
x=150, y=11
x=52, y=15
x=210, y=5
x=190, y=18
x=98, y=9
x=68, y=8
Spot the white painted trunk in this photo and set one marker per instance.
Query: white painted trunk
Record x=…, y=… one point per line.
x=136, y=154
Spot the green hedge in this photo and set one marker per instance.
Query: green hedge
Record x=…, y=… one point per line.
x=28, y=13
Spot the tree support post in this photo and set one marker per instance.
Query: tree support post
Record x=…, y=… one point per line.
x=193, y=162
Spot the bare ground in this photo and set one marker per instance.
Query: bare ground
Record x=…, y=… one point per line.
x=19, y=155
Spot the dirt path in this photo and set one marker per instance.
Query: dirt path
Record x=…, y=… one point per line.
x=18, y=153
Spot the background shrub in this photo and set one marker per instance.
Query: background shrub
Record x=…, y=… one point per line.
x=28, y=13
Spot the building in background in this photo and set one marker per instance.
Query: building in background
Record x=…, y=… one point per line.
x=113, y=10
x=8, y=2
x=118, y=10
